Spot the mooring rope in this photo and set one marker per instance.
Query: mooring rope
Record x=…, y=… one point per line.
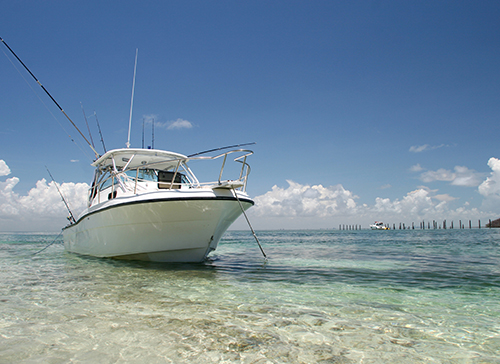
x=57, y=237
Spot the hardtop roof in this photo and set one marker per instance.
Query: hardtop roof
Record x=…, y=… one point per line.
x=162, y=159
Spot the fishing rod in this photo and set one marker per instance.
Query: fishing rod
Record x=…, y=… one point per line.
x=99, y=127
x=88, y=127
x=213, y=150
x=47, y=92
x=153, y=134
x=71, y=218
x=142, y=133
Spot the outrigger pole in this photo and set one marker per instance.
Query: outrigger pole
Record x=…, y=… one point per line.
x=213, y=150
x=99, y=127
x=71, y=217
x=88, y=127
x=47, y=92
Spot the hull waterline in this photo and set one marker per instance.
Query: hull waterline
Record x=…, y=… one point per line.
x=160, y=231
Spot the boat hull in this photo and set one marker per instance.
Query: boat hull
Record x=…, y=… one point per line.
x=180, y=229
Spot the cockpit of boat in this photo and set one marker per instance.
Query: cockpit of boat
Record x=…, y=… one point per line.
x=163, y=178
x=135, y=171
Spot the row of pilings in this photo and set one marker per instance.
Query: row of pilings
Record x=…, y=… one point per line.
x=424, y=225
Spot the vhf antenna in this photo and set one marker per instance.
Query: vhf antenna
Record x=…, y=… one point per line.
x=132, y=99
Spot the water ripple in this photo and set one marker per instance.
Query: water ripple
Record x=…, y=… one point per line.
x=322, y=296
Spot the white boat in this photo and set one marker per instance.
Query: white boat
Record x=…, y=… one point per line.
x=147, y=204
x=377, y=225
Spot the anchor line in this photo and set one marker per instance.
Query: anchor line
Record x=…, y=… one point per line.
x=248, y=222
x=49, y=244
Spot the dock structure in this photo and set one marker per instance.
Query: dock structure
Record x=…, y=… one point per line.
x=429, y=225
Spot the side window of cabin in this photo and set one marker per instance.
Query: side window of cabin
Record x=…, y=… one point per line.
x=107, y=182
x=165, y=180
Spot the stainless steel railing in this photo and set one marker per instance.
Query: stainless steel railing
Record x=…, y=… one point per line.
x=116, y=175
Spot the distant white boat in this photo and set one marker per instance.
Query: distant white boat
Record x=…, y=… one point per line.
x=148, y=205
x=378, y=225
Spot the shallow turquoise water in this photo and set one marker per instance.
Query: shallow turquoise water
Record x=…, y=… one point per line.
x=411, y=296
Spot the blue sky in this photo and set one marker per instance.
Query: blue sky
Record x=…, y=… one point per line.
x=361, y=111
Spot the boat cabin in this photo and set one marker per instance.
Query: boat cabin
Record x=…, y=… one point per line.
x=133, y=171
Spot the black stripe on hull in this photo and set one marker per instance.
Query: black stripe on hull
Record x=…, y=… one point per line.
x=176, y=199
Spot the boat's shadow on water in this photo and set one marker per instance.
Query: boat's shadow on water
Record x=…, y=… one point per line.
x=213, y=264
x=425, y=260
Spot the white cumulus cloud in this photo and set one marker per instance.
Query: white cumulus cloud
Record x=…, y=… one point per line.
x=42, y=207
x=439, y=175
x=295, y=206
x=169, y=125
x=491, y=186
x=425, y=147
x=460, y=176
x=306, y=201
x=179, y=124
x=4, y=168
x=315, y=206
x=418, y=148
x=416, y=203
x=444, y=197
x=150, y=118
x=416, y=168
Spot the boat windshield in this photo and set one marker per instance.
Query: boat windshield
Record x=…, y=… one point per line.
x=144, y=174
x=155, y=175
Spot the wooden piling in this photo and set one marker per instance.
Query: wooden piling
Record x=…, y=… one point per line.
x=445, y=224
